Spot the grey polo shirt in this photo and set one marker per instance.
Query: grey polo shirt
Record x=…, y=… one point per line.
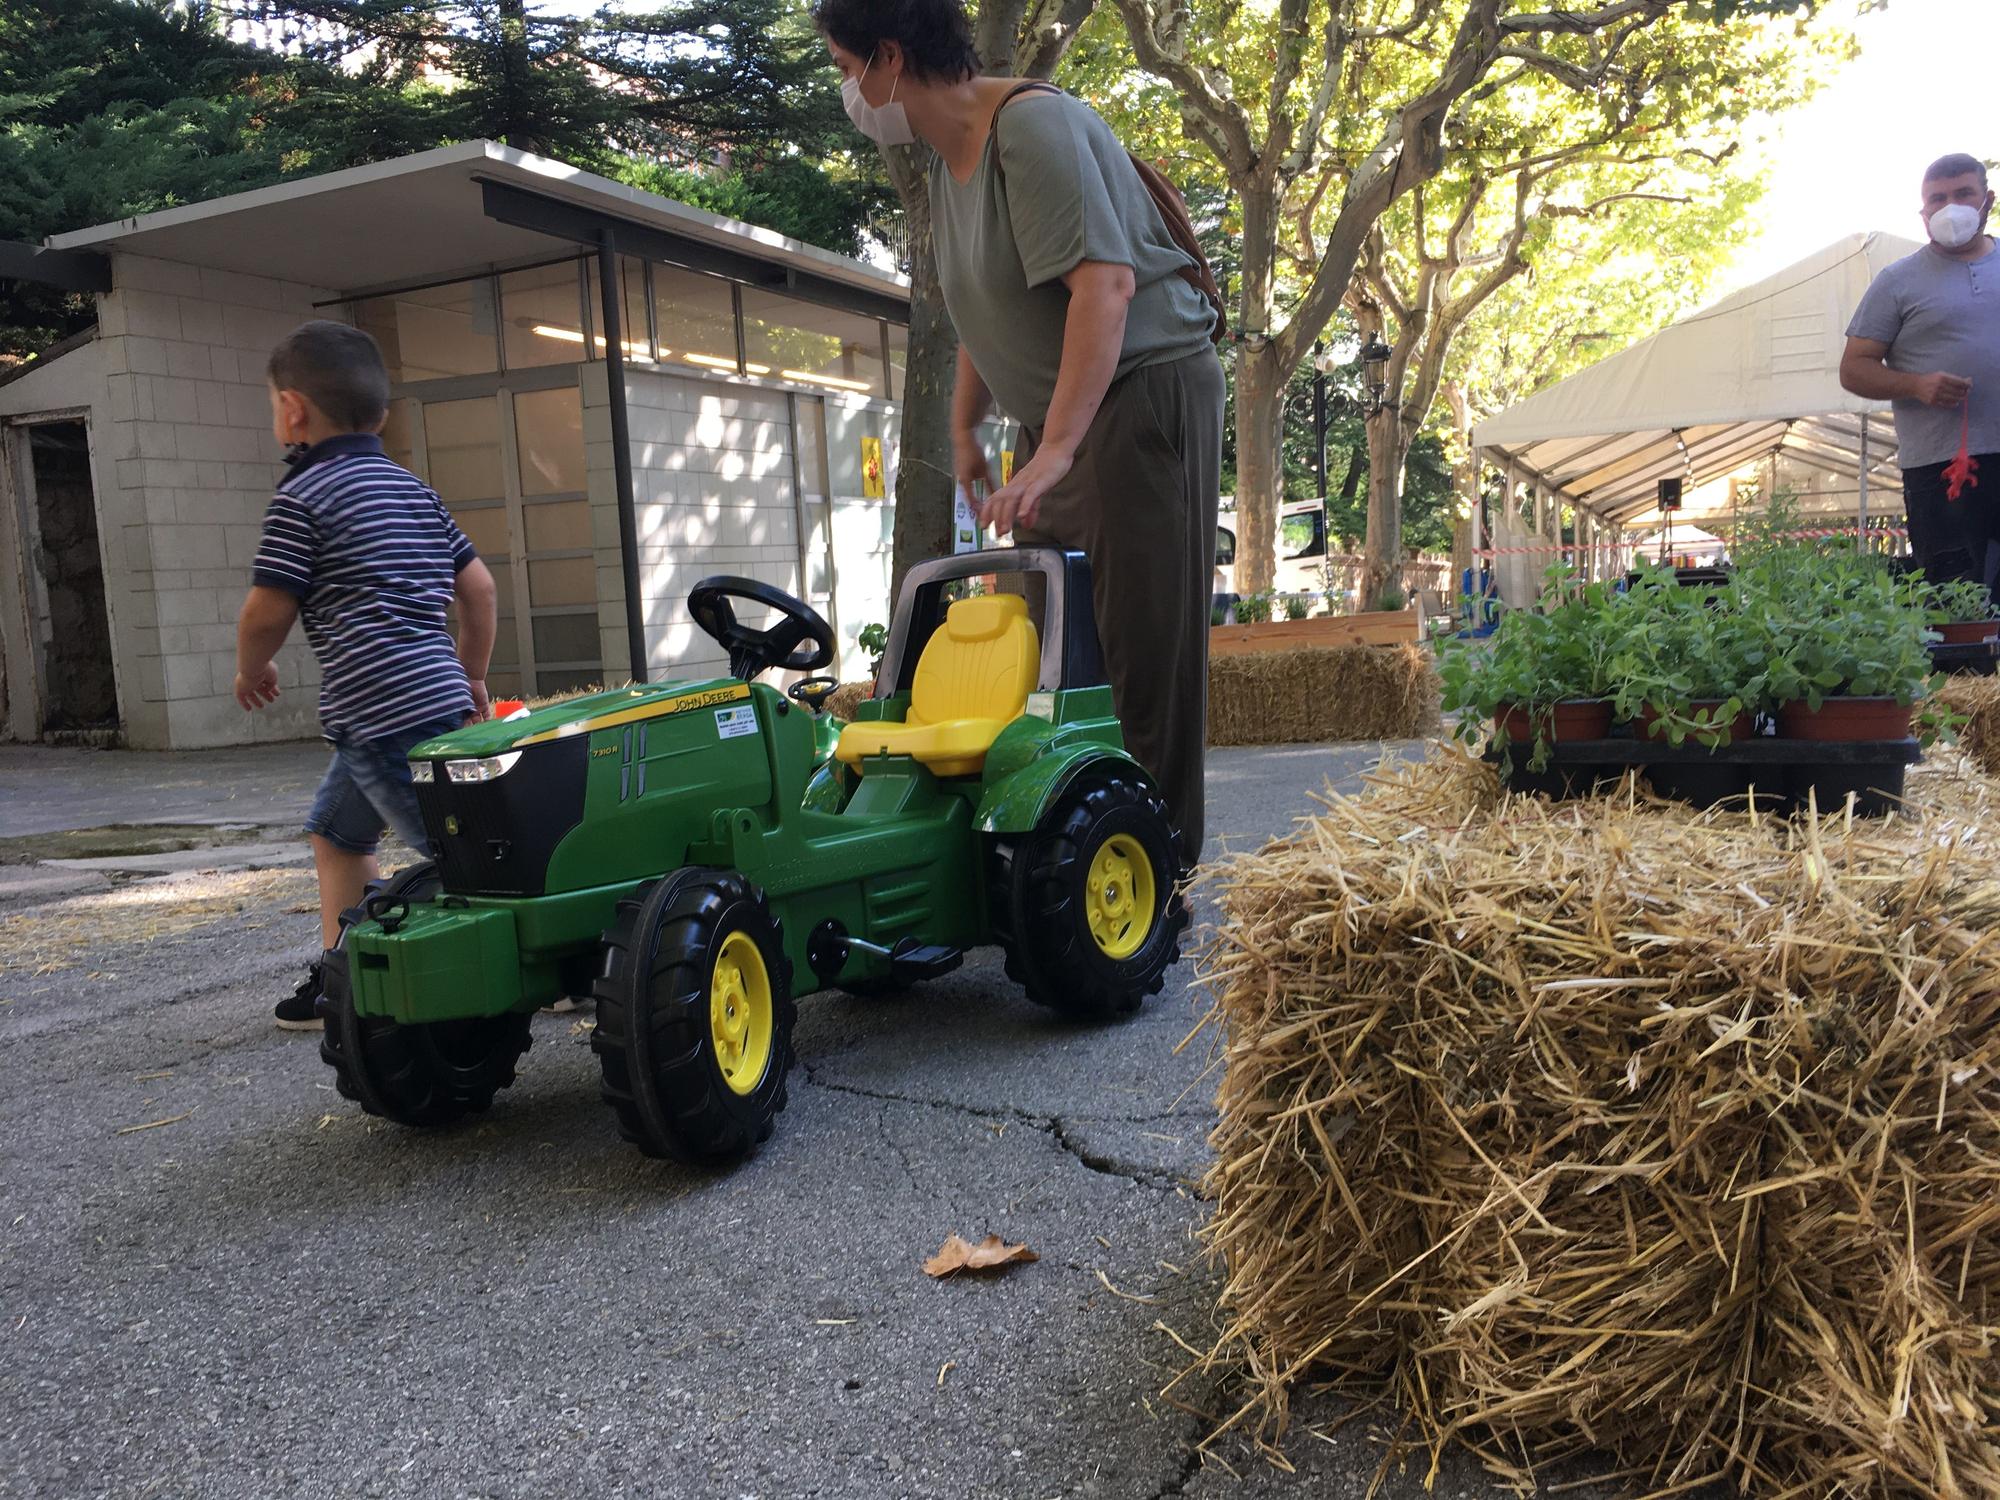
x=1936, y=313
x=1062, y=192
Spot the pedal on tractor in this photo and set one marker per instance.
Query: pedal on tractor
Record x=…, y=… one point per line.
x=697, y=855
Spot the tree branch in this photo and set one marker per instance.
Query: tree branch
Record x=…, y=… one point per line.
x=995, y=33
x=1219, y=121
x=1046, y=34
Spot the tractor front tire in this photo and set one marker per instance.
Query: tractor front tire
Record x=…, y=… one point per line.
x=694, y=1018
x=1085, y=906
x=422, y=1075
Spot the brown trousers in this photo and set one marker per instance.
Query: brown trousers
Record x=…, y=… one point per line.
x=1140, y=503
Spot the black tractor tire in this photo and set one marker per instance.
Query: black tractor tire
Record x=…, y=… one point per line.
x=666, y=1075
x=1041, y=911
x=424, y=1075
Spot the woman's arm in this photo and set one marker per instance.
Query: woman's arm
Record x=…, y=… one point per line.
x=970, y=402
x=1093, y=339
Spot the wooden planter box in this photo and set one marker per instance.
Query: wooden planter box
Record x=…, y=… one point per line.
x=1379, y=628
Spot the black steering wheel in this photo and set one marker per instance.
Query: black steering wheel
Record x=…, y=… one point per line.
x=800, y=640
x=813, y=692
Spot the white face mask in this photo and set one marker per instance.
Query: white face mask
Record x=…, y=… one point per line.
x=1955, y=224
x=888, y=125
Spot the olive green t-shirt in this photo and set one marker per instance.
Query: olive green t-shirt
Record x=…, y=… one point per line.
x=1062, y=192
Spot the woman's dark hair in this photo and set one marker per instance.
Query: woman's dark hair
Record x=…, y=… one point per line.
x=935, y=36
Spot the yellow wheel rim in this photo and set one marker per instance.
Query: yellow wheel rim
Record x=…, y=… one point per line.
x=740, y=1013
x=1119, y=896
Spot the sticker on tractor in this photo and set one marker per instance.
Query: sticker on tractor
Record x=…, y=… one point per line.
x=734, y=723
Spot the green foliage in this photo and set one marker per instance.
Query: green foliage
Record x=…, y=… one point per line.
x=1297, y=606
x=790, y=194
x=1798, y=621
x=129, y=106
x=1954, y=601
x=1679, y=647
x=1560, y=651
x=1392, y=599
x=1253, y=609
x=676, y=80
x=1836, y=623
x=874, y=639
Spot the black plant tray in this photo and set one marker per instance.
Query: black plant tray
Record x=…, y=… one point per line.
x=1972, y=659
x=1784, y=773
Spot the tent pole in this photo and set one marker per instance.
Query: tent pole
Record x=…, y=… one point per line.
x=1864, y=480
x=1479, y=466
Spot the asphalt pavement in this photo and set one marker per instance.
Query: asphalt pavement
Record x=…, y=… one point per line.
x=219, y=1279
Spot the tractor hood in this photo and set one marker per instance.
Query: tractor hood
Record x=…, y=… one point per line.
x=574, y=716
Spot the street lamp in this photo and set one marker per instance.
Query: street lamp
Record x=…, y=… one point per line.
x=1374, y=376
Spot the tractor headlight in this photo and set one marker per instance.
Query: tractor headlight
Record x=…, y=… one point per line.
x=489, y=768
x=422, y=772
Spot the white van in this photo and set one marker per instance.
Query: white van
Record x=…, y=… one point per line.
x=1302, y=551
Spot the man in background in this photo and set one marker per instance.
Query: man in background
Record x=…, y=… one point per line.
x=1927, y=338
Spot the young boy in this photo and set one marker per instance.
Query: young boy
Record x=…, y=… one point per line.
x=366, y=553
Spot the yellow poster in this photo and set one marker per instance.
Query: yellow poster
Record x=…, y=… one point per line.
x=871, y=468
x=1006, y=465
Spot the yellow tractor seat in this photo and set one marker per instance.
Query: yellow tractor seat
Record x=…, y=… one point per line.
x=973, y=680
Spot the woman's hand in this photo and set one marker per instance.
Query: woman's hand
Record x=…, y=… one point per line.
x=1019, y=502
x=968, y=460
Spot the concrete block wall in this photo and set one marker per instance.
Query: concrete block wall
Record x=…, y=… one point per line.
x=713, y=491
x=187, y=465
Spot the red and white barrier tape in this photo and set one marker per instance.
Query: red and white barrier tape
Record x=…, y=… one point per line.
x=1552, y=549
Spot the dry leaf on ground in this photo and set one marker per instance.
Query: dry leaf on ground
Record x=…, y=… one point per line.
x=990, y=1254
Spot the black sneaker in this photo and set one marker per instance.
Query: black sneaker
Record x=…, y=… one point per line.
x=299, y=1011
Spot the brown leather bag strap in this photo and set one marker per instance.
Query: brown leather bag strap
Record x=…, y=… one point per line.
x=1032, y=86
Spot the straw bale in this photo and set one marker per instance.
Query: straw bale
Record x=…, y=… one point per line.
x=1978, y=698
x=842, y=700
x=1617, y=1125
x=1322, y=693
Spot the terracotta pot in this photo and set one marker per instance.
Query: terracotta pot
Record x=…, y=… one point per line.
x=1742, y=727
x=1846, y=719
x=1573, y=719
x=1967, y=632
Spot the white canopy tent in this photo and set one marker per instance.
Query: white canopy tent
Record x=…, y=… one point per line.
x=1755, y=377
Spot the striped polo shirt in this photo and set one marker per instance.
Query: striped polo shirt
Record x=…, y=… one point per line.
x=373, y=559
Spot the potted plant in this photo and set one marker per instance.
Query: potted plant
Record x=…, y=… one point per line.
x=1543, y=676
x=1297, y=606
x=1253, y=609
x=1689, y=664
x=1847, y=657
x=1960, y=611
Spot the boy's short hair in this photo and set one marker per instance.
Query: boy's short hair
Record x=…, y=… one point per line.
x=336, y=367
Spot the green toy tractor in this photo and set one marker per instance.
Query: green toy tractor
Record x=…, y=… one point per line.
x=697, y=855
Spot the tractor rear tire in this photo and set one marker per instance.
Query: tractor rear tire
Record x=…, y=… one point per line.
x=695, y=1017
x=419, y=1075
x=1085, y=906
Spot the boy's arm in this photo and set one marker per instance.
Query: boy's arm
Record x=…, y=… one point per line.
x=261, y=627
x=478, y=623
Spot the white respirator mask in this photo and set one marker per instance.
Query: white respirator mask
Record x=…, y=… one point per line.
x=1954, y=225
x=888, y=125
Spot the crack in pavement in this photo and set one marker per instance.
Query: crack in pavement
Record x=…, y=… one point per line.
x=1053, y=1126
x=1191, y=1463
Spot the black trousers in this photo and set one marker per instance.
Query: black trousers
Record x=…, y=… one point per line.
x=1955, y=538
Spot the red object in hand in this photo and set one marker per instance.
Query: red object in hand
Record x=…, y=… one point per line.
x=1962, y=473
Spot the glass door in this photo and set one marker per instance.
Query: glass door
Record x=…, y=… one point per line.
x=505, y=454
x=818, y=578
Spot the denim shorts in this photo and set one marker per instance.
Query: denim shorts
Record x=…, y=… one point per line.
x=367, y=787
